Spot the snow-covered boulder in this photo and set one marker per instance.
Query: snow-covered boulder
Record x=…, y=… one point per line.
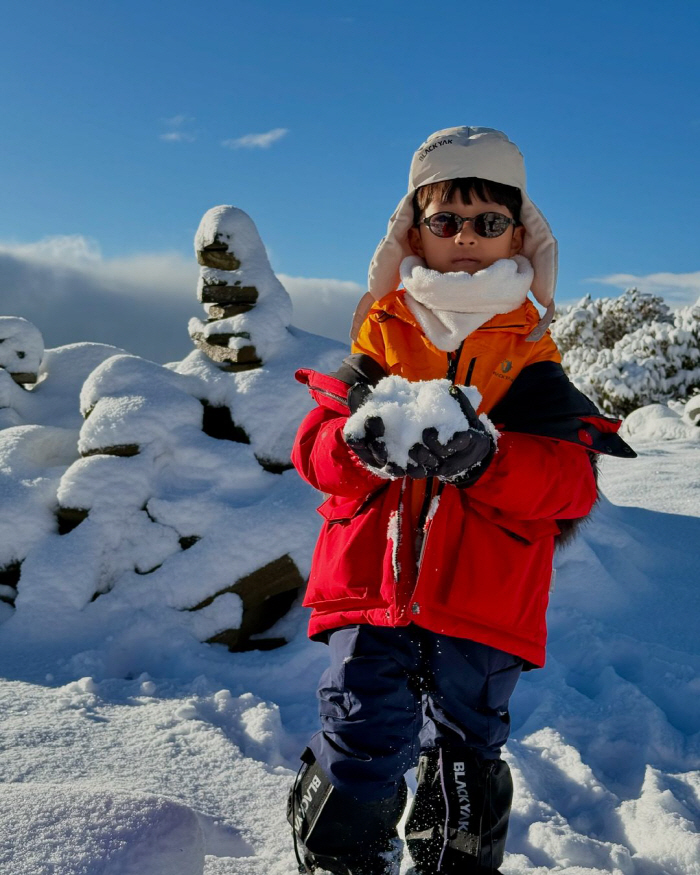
x=39, y=430
x=657, y=422
x=21, y=348
x=692, y=410
x=170, y=511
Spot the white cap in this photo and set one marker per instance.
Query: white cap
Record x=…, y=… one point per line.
x=457, y=153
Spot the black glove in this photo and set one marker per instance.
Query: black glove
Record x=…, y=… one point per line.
x=460, y=461
x=467, y=455
x=463, y=458
x=370, y=448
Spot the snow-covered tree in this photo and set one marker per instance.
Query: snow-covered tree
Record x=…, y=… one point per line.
x=630, y=351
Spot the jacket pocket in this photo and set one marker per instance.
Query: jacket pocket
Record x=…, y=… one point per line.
x=338, y=508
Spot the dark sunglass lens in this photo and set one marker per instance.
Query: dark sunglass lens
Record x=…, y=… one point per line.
x=444, y=224
x=491, y=224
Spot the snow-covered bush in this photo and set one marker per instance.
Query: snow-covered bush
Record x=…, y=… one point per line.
x=630, y=351
x=599, y=324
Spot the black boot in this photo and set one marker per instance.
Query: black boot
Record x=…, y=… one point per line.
x=459, y=818
x=335, y=832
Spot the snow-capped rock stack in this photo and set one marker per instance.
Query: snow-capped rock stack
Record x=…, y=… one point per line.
x=247, y=307
x=154, y=494
x=177, y=509
x=21, y=349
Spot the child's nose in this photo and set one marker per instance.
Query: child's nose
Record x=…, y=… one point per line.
x=466, y=234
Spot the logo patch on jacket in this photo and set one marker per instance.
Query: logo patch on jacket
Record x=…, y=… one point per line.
x=502, y=369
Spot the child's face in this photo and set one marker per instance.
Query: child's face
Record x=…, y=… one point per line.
x=466, y=251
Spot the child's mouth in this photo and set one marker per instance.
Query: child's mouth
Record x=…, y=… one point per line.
x=466, y=262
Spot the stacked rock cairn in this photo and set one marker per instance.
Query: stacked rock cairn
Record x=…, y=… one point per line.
x=236, y=284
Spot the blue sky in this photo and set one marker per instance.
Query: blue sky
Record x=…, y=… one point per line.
x=124, y=121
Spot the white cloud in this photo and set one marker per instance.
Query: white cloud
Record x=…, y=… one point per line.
x=176, y=121
x=256, y=141
x=71, y=293
x=178, y=132
x=140, y=302
x=177, y=137
x=323, y=306
x=678, y=289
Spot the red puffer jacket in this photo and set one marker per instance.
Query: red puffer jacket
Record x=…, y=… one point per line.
x=485, y=564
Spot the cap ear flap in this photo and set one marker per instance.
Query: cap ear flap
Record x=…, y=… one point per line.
x=393, y=248
x=539, y=330
x=540, y=247
x=360, y=314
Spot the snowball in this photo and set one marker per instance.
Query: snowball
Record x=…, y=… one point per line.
x=407, y=408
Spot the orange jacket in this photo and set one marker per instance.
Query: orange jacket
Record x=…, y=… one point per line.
x=499, y=349
x=491, y=358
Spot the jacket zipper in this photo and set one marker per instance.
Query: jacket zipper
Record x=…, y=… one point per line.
x=332, y=395
x=454, y=359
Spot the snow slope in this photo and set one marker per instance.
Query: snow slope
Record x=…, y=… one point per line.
x=184, y=766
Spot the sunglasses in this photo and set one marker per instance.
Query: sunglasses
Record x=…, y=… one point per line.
x=485, y=224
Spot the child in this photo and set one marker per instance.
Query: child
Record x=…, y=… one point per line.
x=431, y=575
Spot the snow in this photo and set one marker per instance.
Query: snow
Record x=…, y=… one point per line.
x=154, y=734
x=658, y=422
x=32, y=459
x=54, y=400
x=271, y=416
x=67, y=830
x=407, y=408
x=127, y=745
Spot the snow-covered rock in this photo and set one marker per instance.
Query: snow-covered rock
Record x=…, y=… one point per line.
x=227, y=236
x=148, y=497
x=21, y=348
x=657, y=422
x=692, y=410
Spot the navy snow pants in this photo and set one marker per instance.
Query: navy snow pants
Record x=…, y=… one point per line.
x=391, y=693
